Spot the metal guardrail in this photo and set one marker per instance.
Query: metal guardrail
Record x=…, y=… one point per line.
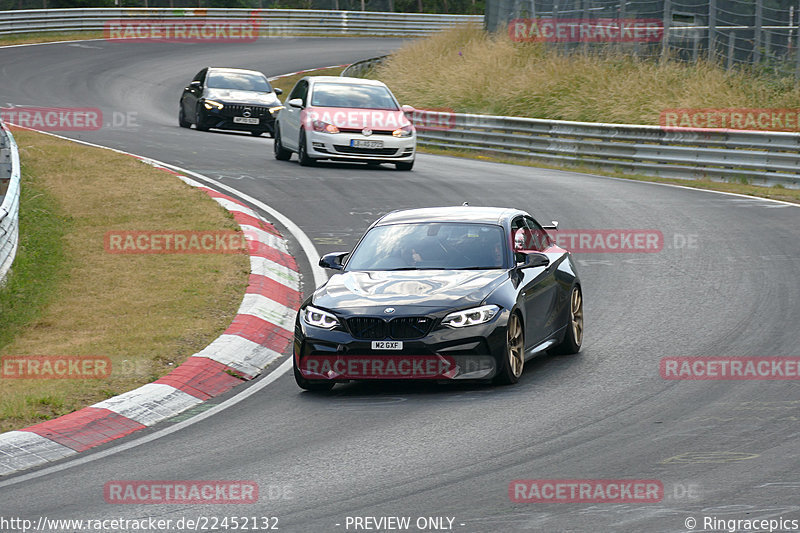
x=271, y=22
x=759, y=158
x=357, y=69
x=9, y=209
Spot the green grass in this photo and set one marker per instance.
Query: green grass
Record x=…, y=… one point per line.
x=41, y=264
x=67, y=296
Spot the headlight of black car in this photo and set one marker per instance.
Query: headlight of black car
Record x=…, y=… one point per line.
x=319, y=318
x=471, y=317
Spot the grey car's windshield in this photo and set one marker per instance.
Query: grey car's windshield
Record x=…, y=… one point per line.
x=356, y=96
x=434, y=245
x=240, y=81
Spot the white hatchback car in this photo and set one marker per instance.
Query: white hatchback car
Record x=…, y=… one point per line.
x=345, y=119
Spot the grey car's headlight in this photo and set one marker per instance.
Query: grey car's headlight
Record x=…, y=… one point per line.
x=471, y=317
x=211, y=104
x=274, y=110
x=319, y=318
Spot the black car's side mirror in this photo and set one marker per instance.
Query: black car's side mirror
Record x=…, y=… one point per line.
x=534, y=259
x=196, y=84
x=333, y=260
x=278, y=91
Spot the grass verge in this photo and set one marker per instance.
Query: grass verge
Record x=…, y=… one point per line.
x=46, y=37
x=68, y=296
x=287, y=83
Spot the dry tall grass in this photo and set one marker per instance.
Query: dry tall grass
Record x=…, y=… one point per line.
x=468, y=70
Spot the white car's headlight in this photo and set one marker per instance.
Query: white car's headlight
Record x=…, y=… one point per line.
x=324, y=127
x=405, y=131
x=471, y=317
x=211, y=104
x=319, y=318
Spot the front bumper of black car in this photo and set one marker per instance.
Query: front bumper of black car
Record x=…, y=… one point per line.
x=468, y=353
x=240, y=117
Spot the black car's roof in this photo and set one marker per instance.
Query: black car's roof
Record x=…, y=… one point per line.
x=487, y=215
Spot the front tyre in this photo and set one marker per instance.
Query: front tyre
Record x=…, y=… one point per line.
x=182, y=122
x=316, y=386
x=201, y=120
x=573, y=338
x=302, y=152
x=514, y=362
x=281, y=153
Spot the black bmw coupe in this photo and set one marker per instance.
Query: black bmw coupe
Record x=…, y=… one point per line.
x=230, y=99
x=446, y=293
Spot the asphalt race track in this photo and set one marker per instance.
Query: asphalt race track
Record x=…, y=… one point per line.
x=722, y=449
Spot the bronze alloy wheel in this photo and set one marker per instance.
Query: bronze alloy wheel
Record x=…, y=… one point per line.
x=576, y=315
x=516, y=346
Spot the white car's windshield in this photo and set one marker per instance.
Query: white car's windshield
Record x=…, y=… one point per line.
x=354, y=96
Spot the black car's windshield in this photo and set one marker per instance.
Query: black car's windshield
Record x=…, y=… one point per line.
x=357, y=96
x=240, y=81
x=439, y=245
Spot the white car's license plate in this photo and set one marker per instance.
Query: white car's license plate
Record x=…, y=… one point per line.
x=387, y=345
x=245, y=120
x=357, y=143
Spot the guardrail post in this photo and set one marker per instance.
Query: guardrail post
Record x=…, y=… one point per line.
x=797, y=51
x=757, y=36
x=712, y=30
x=666, y=23
x=731, y=49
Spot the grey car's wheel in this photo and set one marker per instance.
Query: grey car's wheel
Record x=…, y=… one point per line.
x=514, y=361
x=573, y=338
x=302, y=153
x=281, y=153
x=182, y=122
x=318, y=386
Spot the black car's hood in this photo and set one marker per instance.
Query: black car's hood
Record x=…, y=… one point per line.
x=415, y=288
x=242, y=97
